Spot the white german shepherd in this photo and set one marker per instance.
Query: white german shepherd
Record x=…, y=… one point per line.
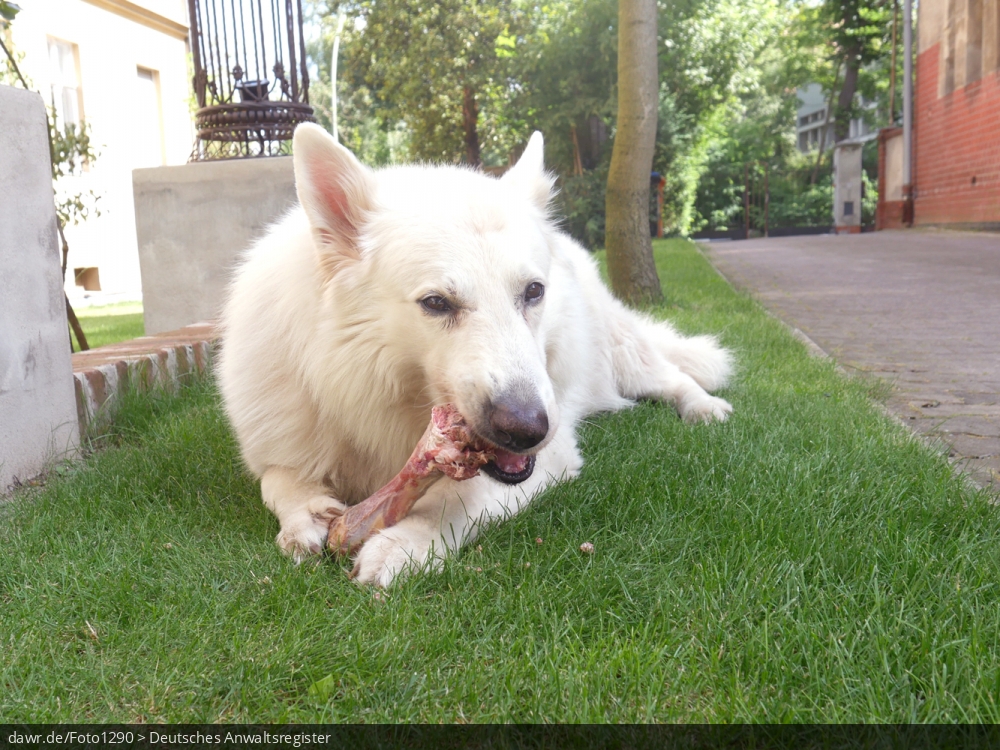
x=390, y=292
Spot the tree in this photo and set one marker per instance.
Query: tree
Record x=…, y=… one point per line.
x=434, y=65
x=565, y=72
x=855, y=32
x=720, y=63
x=630, y=250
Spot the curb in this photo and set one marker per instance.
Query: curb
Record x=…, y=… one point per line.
x=164, y=360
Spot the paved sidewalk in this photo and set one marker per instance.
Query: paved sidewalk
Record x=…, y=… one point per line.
x=918, y=308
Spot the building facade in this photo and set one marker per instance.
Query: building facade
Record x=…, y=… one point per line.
x=121, y=67
x=956, y=160
x=811, y=120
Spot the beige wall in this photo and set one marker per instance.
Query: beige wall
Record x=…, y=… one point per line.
x=931, y=15
x=114, y=39
x=894, y=168
x=969, y=34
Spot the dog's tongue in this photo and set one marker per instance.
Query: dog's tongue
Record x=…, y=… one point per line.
x=510, y=463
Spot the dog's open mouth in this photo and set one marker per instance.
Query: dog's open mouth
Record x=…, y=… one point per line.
x=509, y=468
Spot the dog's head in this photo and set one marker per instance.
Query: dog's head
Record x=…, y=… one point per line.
x=445, y=271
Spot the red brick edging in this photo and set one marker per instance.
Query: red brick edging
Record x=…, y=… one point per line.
x=164, y=359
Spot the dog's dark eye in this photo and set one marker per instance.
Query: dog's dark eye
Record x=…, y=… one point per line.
x=533, y=292
x=435, y=304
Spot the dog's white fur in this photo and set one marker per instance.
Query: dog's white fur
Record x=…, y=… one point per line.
x=330, y=364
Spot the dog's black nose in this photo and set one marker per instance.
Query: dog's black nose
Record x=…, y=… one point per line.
x=517, y=424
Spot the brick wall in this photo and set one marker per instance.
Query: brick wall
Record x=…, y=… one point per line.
x=957, y=145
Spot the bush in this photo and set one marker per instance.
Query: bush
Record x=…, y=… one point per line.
x=796, y=203
x=580, y=206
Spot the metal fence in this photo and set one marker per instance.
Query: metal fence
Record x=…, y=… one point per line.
x=755, y=199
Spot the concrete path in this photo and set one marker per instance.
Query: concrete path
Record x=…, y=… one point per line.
x=918, y=308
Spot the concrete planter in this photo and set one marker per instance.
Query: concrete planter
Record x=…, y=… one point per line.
x=192, y=223
x=38, y=420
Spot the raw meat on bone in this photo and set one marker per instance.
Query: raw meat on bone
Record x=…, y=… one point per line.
x=448, y=448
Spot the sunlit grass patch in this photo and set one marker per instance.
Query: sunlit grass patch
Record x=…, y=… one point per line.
x=109, y=324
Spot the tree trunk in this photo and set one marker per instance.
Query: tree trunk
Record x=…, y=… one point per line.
x=577, y=161
x=470, y=118
x=826, y=127
x=892, y=69
x=630, y=249
x=74, y=323
x=845, y=102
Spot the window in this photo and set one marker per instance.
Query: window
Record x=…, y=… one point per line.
x=63, y=73
x=88, y=278
x=148, y=135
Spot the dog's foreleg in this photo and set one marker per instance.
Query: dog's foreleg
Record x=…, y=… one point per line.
x=692, y=402
x=452, y=513
x=304, y=510
x=443, y=520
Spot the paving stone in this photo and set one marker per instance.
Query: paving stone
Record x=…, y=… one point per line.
x=920, y=309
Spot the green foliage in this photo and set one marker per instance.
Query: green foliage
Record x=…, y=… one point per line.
x=10, y=74
x=566, y=72
x=376, y=140
x=795, y=202
x=728, y=74
x=10, y=58
x=794, y=199
x=716, y=57
x=580, y=205
x=854, y=27
x=7, y=12
x=850, y=34
x=418, y=61
x=72, y=150
x=757, y=123
x=869, y=199
x=719, y=60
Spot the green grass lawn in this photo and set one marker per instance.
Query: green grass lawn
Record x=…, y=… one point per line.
x=807, y=561
x=109, y=324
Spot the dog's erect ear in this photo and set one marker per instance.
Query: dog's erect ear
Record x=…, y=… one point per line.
x=528, y=176
x=335, y=190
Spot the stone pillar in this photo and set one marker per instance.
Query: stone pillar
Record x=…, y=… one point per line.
x=847, y=187
x=38, y=419
x=192, y=222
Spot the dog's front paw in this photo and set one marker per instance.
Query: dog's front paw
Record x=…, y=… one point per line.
x=304, y=534
x=392, y=554
x=705, y=409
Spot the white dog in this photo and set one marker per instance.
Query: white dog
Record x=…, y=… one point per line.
x=390, y=292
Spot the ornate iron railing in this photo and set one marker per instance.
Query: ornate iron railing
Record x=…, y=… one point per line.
x=250, y=77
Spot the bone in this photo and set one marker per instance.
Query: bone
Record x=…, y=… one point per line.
x=448, y=448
